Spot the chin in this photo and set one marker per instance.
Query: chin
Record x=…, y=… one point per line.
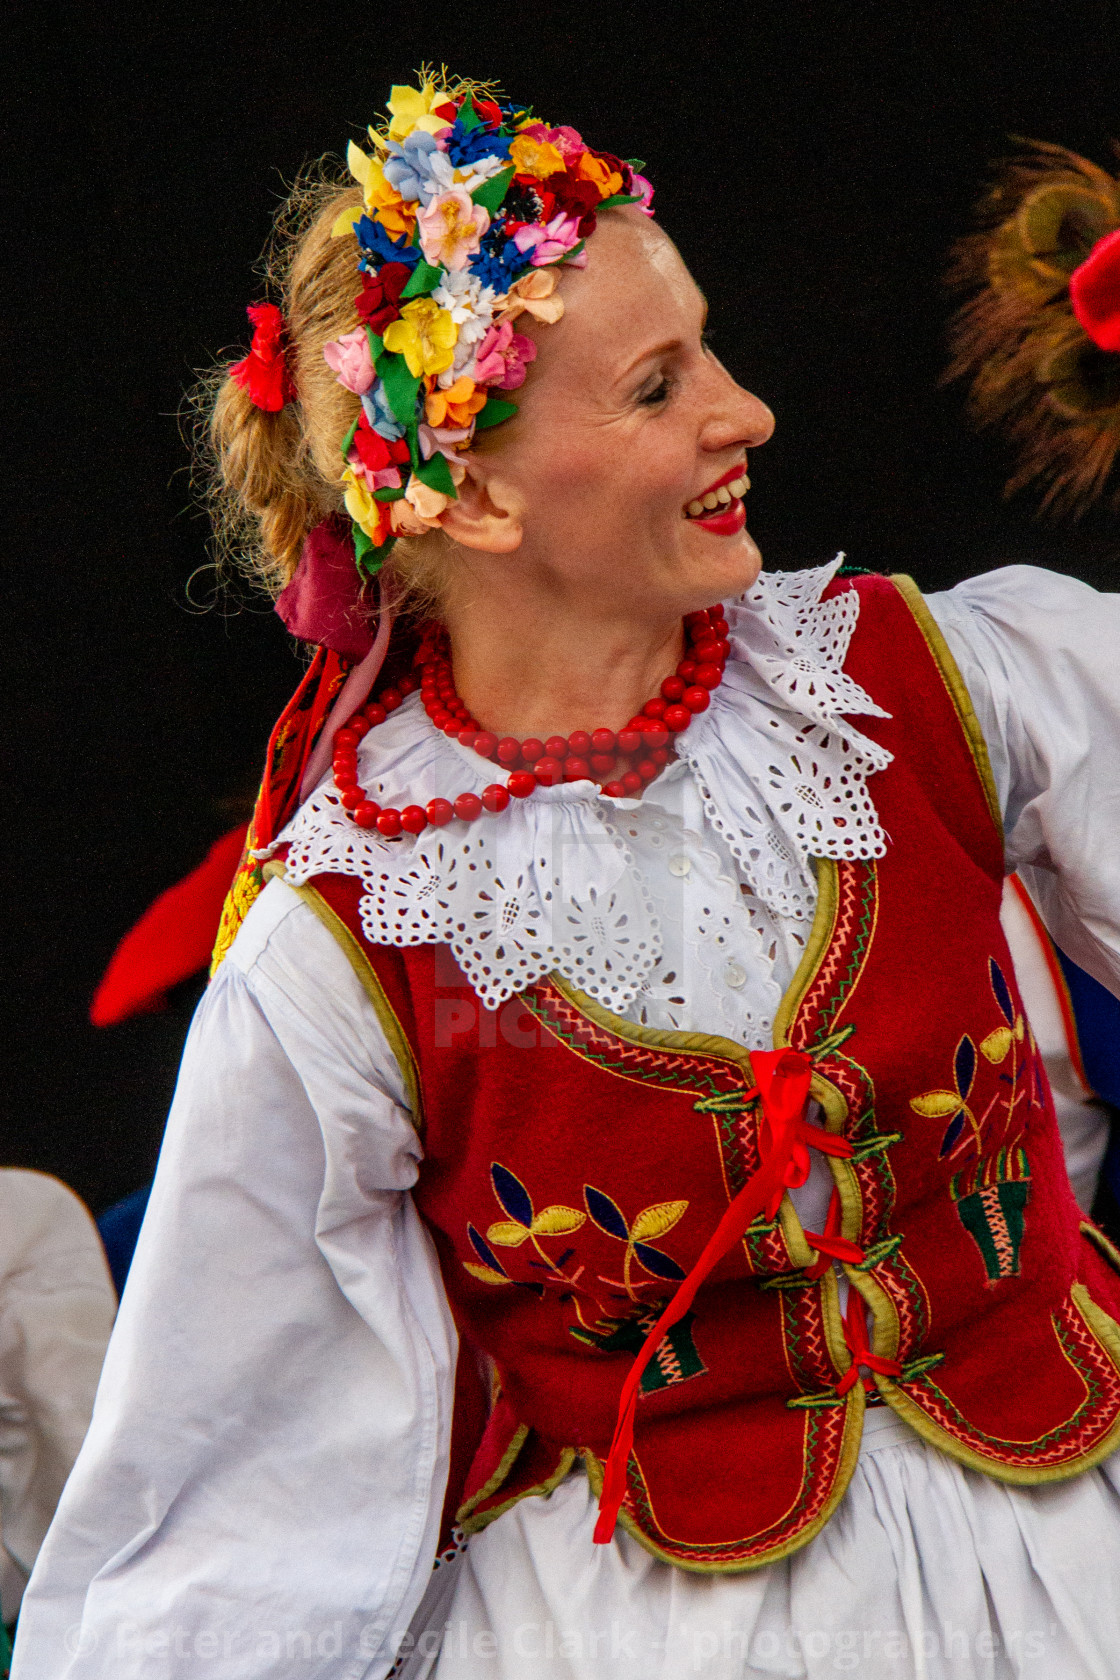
x=728, y=566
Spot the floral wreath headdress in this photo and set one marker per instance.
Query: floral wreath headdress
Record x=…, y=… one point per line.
x=470, y=204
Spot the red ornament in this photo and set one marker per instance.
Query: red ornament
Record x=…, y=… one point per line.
x=264, y=372
x=1094, y=291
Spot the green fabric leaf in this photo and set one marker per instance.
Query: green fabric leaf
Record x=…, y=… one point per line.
x=368, y=558
x=400, y=387
x=412, y=438
x=570, y=256
x=388, y=494
x=424, y=278
x=436, y=474
x=491, y=193
x=376, y=348
x=349, y=438
x=619, y=198
x=494, y=413
x=636, y=163
x=468, y=116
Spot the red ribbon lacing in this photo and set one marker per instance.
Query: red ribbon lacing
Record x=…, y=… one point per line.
x=264, y=371
x=855, y=1335
x=785, y=1138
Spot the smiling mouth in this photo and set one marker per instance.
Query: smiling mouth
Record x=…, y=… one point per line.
x=720, y=508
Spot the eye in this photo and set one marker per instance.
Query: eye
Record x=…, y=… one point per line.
x=651, y=396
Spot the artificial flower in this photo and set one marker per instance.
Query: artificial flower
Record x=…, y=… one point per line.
x=375, y=407
x=376, y=460
x=534, y=293
x=405, y=520
x=442, y=440
x=406, y=167
x=465, y=146
x=498, y=262
x=429, y=504
x=412, y=108
x=264, y=371
x=425, y=336
x=382, y=200
x=377, y=243
x=1094, y=290
x=369, y=515
x=502, y=358
x=599, y=168
x=380, y=301
x=459, y=403
x=451, y=228
x=471, y=306
x=539, y=158
x=349, y=359
x=644, y=191
x=550, y=242
x=568, y=143
x=575, y=198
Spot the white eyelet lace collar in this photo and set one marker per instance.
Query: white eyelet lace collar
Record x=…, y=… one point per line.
x=551, y=883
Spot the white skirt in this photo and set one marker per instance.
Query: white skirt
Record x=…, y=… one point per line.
x=927, y=1569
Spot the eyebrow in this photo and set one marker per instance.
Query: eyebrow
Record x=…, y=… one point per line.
x=661, y=349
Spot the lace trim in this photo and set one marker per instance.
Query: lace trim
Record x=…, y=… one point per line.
x=553, y=882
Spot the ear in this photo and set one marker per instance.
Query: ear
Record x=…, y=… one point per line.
x=487, y=513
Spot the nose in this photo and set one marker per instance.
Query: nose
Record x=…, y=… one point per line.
x=736, y=418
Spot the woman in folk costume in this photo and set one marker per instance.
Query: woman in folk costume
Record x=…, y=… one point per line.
x=610, y=1161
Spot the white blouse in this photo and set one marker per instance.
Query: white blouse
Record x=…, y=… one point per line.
x=260, y=1490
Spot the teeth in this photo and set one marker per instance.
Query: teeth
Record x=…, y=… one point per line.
x=695, y=509
x=724, y=494
x=738, y=485
x=711, y=500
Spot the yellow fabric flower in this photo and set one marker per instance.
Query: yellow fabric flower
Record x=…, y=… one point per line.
x=425, y=336
x=536, y=157
x=371, y=516
x=607, y=180
x=455, y=405
x=411, y=109
x=382, y=201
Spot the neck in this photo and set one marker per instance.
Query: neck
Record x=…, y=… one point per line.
x=548, y=668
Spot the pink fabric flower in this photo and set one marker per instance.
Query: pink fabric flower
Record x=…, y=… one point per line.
x=644, y=188
x=550, y=242
x=568, y=143
x=451, y=228
x=376, y=478
x=502, y=358
x=350, y=361
x=442, y=439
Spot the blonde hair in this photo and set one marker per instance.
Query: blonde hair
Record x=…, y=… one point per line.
x=268, y=479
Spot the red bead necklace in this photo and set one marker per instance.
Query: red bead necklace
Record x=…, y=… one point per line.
x=622, y=763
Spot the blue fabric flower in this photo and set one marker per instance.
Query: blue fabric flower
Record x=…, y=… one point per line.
x=498, y=262
x=407, y=168
x=375, y=405
x=376, y=243
x=466, y=145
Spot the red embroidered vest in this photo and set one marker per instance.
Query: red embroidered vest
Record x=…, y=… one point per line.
x=575, y=1165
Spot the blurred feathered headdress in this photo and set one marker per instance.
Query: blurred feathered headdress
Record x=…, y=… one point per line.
x=1038, y=337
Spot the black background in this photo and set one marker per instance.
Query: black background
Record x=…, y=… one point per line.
x=813, y=161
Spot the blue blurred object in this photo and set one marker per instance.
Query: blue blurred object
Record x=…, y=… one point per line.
x=1097, y=1014
x=119, y=1227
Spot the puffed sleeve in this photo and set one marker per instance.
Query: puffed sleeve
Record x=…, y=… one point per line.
x=260, y=1489
x=1040, y=655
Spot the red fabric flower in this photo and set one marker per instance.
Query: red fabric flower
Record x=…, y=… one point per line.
x=488, y=111
x=264, y=372
x=1094, y=291
x=574, y=198
x=380, y=301
x=376, y=452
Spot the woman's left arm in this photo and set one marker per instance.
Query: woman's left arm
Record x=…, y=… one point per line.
x=1040, y=655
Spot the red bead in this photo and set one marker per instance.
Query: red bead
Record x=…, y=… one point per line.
x=603, y=740
x=359, y=725
x=414, y=819
x=353, y=797
x=347, y=737
x=486, y=743
x=521, y=783
x=366, y=815
x=509, y=751
x=532, y=749
x=548, y=771
x=556, y=747
x=708, y=676
x=715, y=613
x=697, y=699
x=704, y=647
x=660, y=756
x=579, y=743
x=452, y=728
x=638, y=722
x=603, y=763
x=468, y=806
x=495, y=797
x=389, y=823
x=677, y=718
x=468, y=737
x=576, y=769
x=615, y=790
x=439, y=811
x=685, y=669
x=656, y=733
x=629, y=740
x=407, y=684
x=632, y=782
x=390, y=698
x=376, y=714
x=346, y=780
x=693, y=620
x=654, y=708
x=647, y=769
x=441, y=717
x=672, y=688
